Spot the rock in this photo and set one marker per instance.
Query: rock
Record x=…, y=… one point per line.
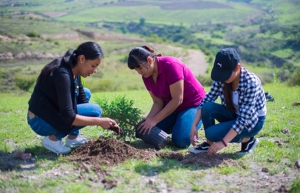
x=151, y=181
x=27, y=150
x=85, y=167
x=295, y=104
x=18, y=154
x=297, y=164
x=285, y=130
x=279, y=143
x=25, y=156
x=266, y=170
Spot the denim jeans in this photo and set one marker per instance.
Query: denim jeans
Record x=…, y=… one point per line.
x=42, y=128
x=215, y=132
x=179, y=124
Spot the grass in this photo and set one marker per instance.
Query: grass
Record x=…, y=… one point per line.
x=97, y=11
x=133, y=175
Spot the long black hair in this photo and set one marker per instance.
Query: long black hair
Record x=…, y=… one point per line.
x=138, y=56
x=90, y=50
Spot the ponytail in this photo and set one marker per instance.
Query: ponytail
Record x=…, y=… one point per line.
x=68, y=59
x=138, y=56
x=90, y=50
x=227, y=91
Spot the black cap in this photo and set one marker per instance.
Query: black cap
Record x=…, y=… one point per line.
x=225, y=62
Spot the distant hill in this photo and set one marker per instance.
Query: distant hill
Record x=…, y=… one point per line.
x=171, y=12
x=265, y=32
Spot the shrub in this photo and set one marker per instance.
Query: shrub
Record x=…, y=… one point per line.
x=122, y=110
x=24, y=82
x=205, y=80
x=266, y=77
x=32, y=34
x=295, y=79
x=100, y=85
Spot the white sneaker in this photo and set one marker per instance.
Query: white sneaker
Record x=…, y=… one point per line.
x=78, y=141
x=55, y=146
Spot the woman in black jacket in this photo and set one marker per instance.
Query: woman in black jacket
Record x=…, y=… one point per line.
x=59, y=107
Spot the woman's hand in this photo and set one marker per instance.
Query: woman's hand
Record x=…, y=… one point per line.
x=193, y=135
x=106, y=123
x=146, y=126
x=215, y=147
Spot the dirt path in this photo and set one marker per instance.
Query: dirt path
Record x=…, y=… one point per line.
x=194, y=59
x=196, y=62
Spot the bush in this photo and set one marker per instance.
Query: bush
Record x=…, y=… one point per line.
x=122, y=110
x=205, y=80
x=32, y=34
x=24, y=82
x=295, y=79
x=100, y=85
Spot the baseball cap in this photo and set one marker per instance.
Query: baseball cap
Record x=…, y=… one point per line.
x=225, y=62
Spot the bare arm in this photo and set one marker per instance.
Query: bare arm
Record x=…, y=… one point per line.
x=105, y=123
x=194, y=132
x=176, y=91
x=215, y=147
x=158, y=105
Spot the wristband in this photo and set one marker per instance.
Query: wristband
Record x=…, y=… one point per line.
x=225, y=144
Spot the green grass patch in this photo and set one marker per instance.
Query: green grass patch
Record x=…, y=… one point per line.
x=277, y=151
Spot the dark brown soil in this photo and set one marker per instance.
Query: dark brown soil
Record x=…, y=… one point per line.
x=108, y=152
x=94, y=154
x=91, y=157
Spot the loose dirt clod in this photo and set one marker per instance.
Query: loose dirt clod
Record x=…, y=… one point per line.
x=117, y=130
x=170, y=155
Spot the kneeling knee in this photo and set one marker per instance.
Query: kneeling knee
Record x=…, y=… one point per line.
x=97, y=111
x=182, y=143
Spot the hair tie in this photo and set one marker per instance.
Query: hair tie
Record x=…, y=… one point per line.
x=75, y=52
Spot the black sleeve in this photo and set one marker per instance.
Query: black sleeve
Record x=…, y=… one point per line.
x=81, y=96
x=62, y=81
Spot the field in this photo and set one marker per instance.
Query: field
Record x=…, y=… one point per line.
x=269, y=169
x=266, y=34
x=166, y=12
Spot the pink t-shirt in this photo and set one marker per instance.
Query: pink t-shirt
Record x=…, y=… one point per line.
x=171, y=70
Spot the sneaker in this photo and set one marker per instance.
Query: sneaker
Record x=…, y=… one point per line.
x=269, y=97
x=55, y=146
x=78, y=141
x=202, y=148
x=248, y=147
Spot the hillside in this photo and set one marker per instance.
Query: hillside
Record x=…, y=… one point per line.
x=265, y=33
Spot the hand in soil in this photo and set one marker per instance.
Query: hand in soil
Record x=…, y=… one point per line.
x=116, y=129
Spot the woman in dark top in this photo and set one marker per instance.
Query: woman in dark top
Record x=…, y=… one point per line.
x=59, y=106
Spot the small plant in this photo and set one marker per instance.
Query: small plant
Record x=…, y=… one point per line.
x=122, y=110
x=295, y=79
x=24, y=82
x=205, y=80
x=32, y=34
x=275, y=76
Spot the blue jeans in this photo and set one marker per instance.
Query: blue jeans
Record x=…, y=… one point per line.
x=179, y=124
x=42, y=128
x=216, y=132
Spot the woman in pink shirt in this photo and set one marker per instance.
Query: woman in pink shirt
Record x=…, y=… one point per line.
x=175, y=92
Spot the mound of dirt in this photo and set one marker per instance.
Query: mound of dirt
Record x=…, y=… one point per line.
x=109, y=152
x=94, y=154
